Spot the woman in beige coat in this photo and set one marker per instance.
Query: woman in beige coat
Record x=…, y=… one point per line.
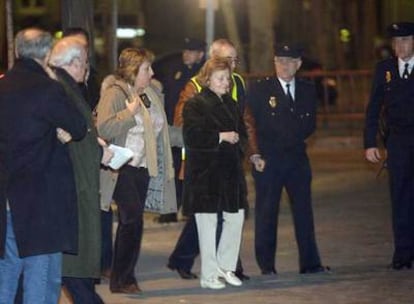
x=129, y=115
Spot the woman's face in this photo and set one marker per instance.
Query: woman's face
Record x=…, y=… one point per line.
x=144, y=76
x=219, y=82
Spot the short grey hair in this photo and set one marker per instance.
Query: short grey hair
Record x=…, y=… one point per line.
x=65, y=51
x=33, y=43
x=216, y=48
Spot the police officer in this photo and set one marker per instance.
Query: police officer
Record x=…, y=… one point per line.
x=393, y=95
x=284, y=108
x=179, y=73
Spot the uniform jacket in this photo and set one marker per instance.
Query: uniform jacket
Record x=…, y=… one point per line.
x=40, y=184
x=176, y=78
x=392, y=95
x=280, y=130
x=85, y=155
x=214, y=178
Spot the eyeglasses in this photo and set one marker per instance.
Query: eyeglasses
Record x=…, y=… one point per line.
x=234, y=60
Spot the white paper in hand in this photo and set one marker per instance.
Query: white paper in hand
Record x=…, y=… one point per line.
x=121, y=156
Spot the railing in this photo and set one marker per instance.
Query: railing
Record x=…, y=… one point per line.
x=343, y=96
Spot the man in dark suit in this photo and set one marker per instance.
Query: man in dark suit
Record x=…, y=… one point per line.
x=392, y=95
x=284, y=108
x=37, y=182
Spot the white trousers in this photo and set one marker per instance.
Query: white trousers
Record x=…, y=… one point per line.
x=224, y=255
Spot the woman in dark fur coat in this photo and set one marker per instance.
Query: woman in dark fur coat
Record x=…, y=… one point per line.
x=214, y=138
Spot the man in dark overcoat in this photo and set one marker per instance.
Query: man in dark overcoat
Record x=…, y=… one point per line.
x=284, y=108
x=36, y=174
x=69, y=63
x=392, y=99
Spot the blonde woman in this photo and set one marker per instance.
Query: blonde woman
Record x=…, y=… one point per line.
x=130, y=116
x=214, y=139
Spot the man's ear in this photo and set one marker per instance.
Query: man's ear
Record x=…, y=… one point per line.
x=200, y=55
x=298, y=64
x=47, y=58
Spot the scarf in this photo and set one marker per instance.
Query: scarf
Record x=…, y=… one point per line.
x=150, y=140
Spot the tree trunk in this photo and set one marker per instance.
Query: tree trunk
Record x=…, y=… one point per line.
x=232, y=29
x=369, y=28
x=10, y=35
x=261, y=14
x=2, y=36
x=79, y=13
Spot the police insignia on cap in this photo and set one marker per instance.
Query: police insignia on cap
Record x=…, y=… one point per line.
x=286, y=48
x=400, y=29
x=272, y=102
x=388, y=76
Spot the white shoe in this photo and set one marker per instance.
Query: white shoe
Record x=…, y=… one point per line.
x=229, y=277
x=212, y=283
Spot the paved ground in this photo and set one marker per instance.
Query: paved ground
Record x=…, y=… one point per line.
x=353, y=229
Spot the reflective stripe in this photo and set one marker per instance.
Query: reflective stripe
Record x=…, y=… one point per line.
x=234, y=90
x=197, y=85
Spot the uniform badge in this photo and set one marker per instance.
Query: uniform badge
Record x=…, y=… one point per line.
x=178, y=75
x=272, y=102
x=388, y=76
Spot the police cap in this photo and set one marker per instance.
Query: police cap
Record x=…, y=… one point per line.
x=288, y=50
x=194, y=44
x=400, y=29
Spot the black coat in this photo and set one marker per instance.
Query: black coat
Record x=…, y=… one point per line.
x=280, y=131
x=395, y=97
x=85, y=155
x=40, y=185
x=214, y=178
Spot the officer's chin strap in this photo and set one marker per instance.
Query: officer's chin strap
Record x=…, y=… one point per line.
x=383, y=167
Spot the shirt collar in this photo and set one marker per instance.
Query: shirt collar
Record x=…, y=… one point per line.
x=401, y=64
x=291, y=88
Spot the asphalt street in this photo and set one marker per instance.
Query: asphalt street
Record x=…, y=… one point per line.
x=352, y=219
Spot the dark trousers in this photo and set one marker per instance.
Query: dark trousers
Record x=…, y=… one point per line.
x=295, y=175
x=401, y=172
x=82, y=290
x=187, y=247
x=129, y=194
x=176, y=154
x=106, y=236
